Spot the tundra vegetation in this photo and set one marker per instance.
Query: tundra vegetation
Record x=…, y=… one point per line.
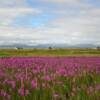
x=50, y=78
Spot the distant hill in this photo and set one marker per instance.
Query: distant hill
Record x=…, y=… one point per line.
x=49, y=45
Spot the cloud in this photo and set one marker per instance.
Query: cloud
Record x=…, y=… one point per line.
x=7, y=15
x=67, y=21
x=46, y=35
x=61, y=1
x=16, y=11
x=80, y=27
x=10, y=3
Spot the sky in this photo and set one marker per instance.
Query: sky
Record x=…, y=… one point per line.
x=34, y=22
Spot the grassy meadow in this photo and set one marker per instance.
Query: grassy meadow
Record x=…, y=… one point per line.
x=48, y=52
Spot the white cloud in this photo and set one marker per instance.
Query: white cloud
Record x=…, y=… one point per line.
x=46, y=35
x=9, y=3
x=15, y=11
x=61, y=1
x=7, y=15
x=83, y=27
x=74, y=24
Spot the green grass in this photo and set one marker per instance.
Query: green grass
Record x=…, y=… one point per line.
x=47, y=52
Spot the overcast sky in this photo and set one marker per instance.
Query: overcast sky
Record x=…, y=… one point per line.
x=49, y=21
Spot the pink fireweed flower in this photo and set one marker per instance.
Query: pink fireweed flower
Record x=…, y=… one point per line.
x=23, y=92
x=26, y=73
x=47, y=78
x=13, y=84
x=22, y=82
x=10, y=82
x=90, y=90
x=34, y=84
x=43, y=85
x=97, y=87
x=4, y=94
x=36, y=70
x=56, y=95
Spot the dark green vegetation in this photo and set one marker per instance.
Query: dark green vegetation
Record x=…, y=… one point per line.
x=47, y=52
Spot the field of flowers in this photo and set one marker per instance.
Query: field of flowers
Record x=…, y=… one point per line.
x=50, y=78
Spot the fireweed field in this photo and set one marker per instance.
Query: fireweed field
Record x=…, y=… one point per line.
x=50, y=78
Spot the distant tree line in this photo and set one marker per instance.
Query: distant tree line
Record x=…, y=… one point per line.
x=98, y=47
